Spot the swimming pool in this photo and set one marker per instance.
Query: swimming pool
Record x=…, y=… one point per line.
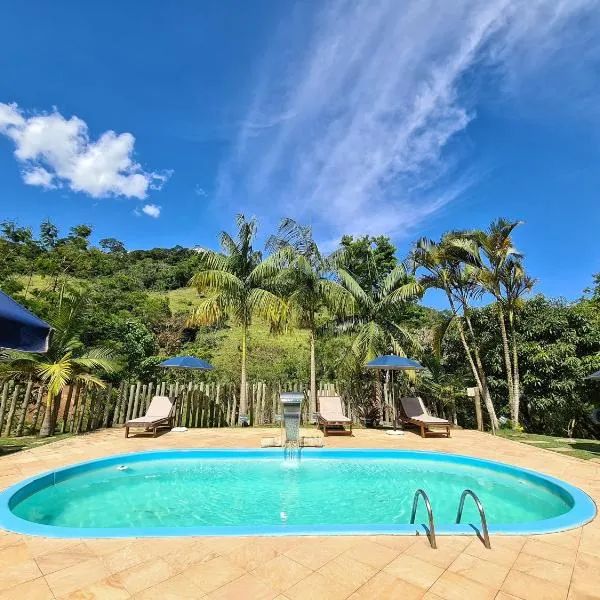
x=257, y=492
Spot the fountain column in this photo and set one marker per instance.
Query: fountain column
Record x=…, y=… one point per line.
x=291, y=403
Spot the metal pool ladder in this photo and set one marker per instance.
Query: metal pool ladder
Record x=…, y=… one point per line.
x=431, y=532
x=484, y=528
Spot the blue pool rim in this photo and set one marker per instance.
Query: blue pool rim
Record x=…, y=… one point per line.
x=583, y=507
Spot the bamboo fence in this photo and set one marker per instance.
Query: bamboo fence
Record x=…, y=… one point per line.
x=81, y=409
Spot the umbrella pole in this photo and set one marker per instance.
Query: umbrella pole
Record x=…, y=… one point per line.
x=393, y=399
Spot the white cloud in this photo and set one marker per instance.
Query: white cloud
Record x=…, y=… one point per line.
x=39, y=176
x=151, y=210
x=353, y=128
x=200, y=191
x=56, y=152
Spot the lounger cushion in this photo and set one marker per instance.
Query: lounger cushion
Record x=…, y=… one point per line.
x=160, y=406
x=330, y=409
x=146, y=420
x=415, y=410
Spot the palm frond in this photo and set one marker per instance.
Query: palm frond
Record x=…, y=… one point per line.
x=221, y=281
x=439, y=332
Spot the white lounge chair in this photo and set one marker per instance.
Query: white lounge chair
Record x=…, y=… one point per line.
x=331, y=414
x=160, y=413
x=416, y=413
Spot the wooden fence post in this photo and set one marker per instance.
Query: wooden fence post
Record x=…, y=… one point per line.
x=13, y=407
x=24, y=408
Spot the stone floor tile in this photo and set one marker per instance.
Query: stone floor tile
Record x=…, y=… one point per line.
x=175, y=588
x=480, y=570
x=447, y=551
x=106, y=589
x=399, y=543
x=36, y=589
x=544, y=569
x=452, y=586
x=529, y=587
x=317, y=587
x=498, y=554
x=76, y=577
x=247, y=587
x=414, y=570
x=384, y=586
x=535, y=547
x=371, y=553
x=564, y=539
x=252, y=554
x=21, y=572
x=586, y=574
x=144, y=575
x=125, y=557
x=347, y=571
x=576, y=594
x=313, y=556
x=198, y=552
x=61, y=559
x=281, y=572
x=213, y=574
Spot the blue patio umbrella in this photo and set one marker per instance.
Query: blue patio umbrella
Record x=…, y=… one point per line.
x=20, y=329
x=595, y=375
x=391, y=363
x=186, y=362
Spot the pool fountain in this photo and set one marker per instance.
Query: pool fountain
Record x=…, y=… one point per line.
x=290, y=422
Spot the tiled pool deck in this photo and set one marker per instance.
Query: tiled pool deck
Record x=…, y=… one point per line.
x=554, y=566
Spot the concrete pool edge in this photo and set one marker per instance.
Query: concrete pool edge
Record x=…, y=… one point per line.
x=582, y=512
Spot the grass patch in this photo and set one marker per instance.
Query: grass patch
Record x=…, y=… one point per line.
x=584, y=449
x=182, y=299
x=10, y=445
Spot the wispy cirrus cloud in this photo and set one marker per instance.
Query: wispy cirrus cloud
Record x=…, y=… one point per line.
x=353, y=127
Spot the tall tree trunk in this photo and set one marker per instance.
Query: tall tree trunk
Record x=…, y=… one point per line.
x=313, y=375
x=515, y=364
x=46, y=428
x=243, y=383
x=507, y=365
x=476, y=367
x=485, y=390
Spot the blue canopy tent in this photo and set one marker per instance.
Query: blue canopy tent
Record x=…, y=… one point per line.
x=20, y=329
x=391, y=363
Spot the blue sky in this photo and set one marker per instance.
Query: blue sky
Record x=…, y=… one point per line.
x=401, y=117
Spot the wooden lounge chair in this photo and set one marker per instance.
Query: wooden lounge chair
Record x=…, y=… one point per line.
x=416, y=413
x=160, y=413
x=331, y=414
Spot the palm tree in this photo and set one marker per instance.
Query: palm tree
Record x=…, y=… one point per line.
x=305, y=278
x=66, y=363
x=377, y=324
x=516, y=283
x=490, y=252
x=446, y=272
x=235, y=285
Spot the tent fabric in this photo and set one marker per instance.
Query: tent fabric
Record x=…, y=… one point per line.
x=186, y=362
x=595, y=375
x=20, y=329
x=391, y=362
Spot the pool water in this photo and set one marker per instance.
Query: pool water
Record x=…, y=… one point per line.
x=194, y=490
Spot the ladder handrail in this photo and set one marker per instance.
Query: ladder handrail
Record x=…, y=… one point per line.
x=484, y=527
x=431, y=535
